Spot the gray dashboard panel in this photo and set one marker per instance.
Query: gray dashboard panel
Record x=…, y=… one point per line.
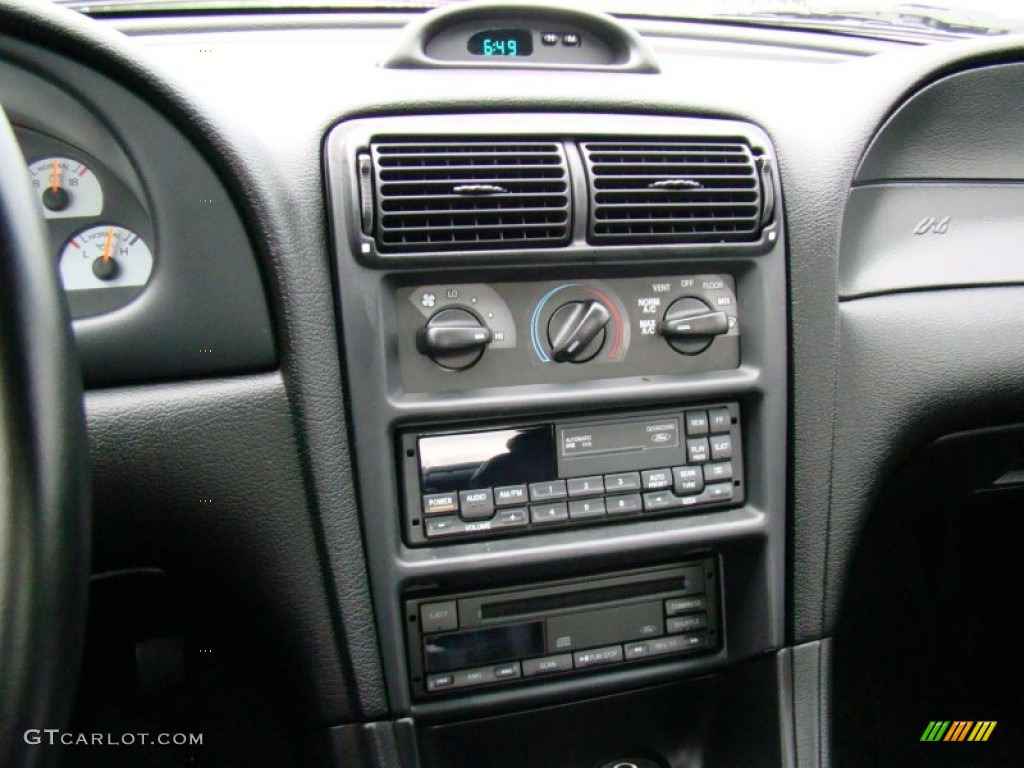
x=966, y=126
x=908, y=236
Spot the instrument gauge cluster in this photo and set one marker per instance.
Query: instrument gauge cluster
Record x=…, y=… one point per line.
x=100, y=231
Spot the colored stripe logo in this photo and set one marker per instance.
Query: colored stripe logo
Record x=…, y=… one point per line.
x=958, y=730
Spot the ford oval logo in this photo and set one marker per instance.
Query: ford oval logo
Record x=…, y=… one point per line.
x=661, y=437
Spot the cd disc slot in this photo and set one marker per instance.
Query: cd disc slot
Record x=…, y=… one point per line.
x=581, y=599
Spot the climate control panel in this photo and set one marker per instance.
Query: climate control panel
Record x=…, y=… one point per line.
x=497, y=334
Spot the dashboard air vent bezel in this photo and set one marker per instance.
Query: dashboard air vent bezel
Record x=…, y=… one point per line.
x=662, y=190
x=464, y=194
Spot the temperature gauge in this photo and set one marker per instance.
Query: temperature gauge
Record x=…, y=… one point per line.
x=66, y=188
x=106, y=256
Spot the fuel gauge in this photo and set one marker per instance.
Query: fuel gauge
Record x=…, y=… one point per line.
x=107, y=256
x=66, y=188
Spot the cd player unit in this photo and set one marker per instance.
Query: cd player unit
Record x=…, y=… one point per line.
x=525, y=478
x=459, y=643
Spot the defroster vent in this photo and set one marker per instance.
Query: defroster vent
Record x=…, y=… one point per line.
x=470, y=195
x=674, y=191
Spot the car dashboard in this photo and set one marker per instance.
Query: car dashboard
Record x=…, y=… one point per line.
x=514, y=385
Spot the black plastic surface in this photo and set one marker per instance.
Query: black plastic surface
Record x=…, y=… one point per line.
x=726, y=719
x=961, y=127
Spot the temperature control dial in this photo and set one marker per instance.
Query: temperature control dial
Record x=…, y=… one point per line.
x=576, y=331
x=689, y=325
x=454, y=338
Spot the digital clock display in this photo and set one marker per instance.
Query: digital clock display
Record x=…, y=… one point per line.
x=501, y=43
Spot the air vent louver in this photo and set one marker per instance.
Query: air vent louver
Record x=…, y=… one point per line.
x=470, y=195
x=672, y=191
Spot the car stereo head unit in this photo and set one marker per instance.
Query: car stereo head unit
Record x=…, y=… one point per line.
x=467, y=641
x=528, y=477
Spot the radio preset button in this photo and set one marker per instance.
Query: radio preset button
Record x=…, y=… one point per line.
x=656, y=479
x=720, y=420
x=697, y=450
x=677, y=605
x=547, y=665
x=477, y=504
x=721, y=447
x=713, y=473
x=696, y=423
x=585, y=486
x=439, y=527
x=659, y=501
x=440, y=503
x=688, y=480
x=623, y=505
x=507, y=671
x=439, y=617
x=547, y=491
x=440, y=682
x=596, y=657
x=511, y=518
x=549, y=513
x=584, y=509
x=509, y=495
x=689, y=623
x=624, y=481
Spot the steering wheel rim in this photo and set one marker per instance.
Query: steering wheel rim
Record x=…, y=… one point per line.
x=44, y=523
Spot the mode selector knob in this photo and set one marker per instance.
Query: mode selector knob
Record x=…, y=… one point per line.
x=454, y=339
x=690, y=325
x=576, y=331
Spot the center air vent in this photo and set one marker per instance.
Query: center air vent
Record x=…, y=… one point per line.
x=470, y=195
x=673, y=191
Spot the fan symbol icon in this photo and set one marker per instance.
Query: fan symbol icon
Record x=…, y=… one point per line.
x=428, y=300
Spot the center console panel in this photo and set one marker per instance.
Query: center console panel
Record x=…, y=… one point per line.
x=565, y=344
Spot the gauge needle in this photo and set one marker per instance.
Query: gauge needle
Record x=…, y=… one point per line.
x=54, y=177
x=107, y=247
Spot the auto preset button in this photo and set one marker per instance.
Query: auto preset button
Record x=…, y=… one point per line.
x=656, y=479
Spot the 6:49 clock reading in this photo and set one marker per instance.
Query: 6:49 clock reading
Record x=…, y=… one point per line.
x=501, y=42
